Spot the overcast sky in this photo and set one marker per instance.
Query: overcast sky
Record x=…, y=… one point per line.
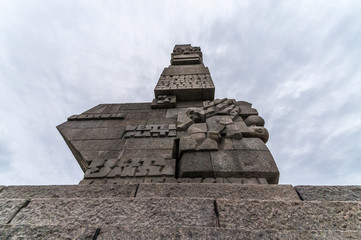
x=298, y=62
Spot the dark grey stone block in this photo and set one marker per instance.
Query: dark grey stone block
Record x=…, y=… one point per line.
x=81, y=124
x=9, y=208
x=196, y=164
x=134, y=106
x=186, y=69
x=90, y=156
x=68, y=191
x=101, y=145
x=93, y=133
x=149, y=143
x=161, y=121
x=221, y=190
x=289, y=215
x=48, y=232
x=329, y=193
x=245, y=163
x=134, y=212
x=122, y=123
x=130, y=232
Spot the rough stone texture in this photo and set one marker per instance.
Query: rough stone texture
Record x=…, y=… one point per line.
x=118, y=211
x=249, y=143
x=151, y=144
x=329, y=193
x=2, y=188
x=210, y=190
x=289, y=215
x=8, y=209
x=68, y=191
x=197, y=164
x=47, y=232
x=244, y=163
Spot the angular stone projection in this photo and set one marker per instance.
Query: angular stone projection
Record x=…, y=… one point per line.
x=183, y=135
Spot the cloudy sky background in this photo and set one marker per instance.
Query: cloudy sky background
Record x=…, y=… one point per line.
x=298, y=62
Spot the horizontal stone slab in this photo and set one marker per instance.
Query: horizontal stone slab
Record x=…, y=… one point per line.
x=211, y=190
x=68, y=191
x=329, y=193
x=151, y=144
x=101, y=145
x=133, y=212
x=181, y=70
x=9, y=208
x=244, y=163
x=93, y=133
x=46, y=232
x=289, y=215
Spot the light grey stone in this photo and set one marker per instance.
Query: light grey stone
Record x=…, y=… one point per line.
x=197, y=128
x=67, y=191
x=187, y=143
x=9, y=208
x=134, y=212
x=329, y=193
x=289, y=215
x=173, y=112
x=48, y=232
x=221, y=190
x=259, y=132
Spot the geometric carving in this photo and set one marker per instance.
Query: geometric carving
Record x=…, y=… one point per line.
x=131, y=167
x=152, y=130
x=97, y=116
x=164, y=101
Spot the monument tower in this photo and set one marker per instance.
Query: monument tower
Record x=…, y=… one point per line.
x=184, y=135
x=184, y=166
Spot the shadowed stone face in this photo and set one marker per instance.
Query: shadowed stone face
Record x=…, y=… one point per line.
x=184, y=134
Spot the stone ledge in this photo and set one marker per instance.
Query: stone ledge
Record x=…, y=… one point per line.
x=329, y=193
x=185, y=233
x=47, y=232
x=69, y=191
x=221, y=190
x=141, y=212
x=289, y=215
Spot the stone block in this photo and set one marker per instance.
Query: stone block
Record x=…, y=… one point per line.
x=93, y=133
x=254, y=120
x=48, y=232
x=187, y=143
x=187, y=104
x=146, y=153
x=249, y=143
x=221, y=190
x=329, y=193
x=90, y=156
x=101, y=145
x=247, y=111
x=197, y=128
x=9, y=208
x=183, y=121
x=289, y=215
x=173, y=112
x=149, y=143
x=132, y=212
x=68, y=191
x=181, y=70
x=131, y=232
x=81, y=124
x=161, y=121
x=195, y=164
x=164, y=101
x=245, y=163
x=122, y=123
x=208, y=145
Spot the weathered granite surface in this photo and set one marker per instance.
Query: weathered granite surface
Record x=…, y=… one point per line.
x=69, y=191
x=118, y=211
x=289, y=215
x=329, y=193
x=227, y=191
x=46, y=232
x=9, y=208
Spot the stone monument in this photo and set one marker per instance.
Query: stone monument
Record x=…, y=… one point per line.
x=184, y=166
x=183, y=135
